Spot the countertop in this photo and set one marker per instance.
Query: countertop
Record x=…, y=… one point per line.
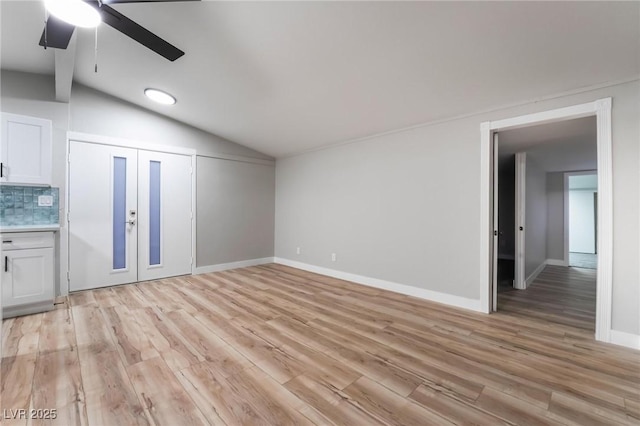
x=29, y=228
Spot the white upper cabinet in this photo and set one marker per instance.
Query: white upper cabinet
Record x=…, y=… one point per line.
x=25, y=156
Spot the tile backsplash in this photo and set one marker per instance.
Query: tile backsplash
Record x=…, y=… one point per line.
x=19, y=206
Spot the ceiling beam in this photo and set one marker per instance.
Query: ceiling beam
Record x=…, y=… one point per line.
x=65, y=60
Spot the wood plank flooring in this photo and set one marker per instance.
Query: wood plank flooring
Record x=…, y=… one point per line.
x=272, y=345
x=560, y=295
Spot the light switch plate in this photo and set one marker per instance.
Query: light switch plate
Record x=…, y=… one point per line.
x=45, y=200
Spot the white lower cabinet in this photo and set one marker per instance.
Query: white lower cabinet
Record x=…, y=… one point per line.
x=27, y=273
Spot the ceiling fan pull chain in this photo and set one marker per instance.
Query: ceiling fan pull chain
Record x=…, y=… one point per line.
x=95, y=69
x=96, y=51
x=46, y=20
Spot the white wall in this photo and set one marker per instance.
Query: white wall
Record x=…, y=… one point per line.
x=392, y=208
x=555, y=216
x=404, y=207
x=236, y=200
x=535, y=251
x=582, y=235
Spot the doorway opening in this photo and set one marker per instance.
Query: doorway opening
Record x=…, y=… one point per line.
x=533, y=280
x=600, y=112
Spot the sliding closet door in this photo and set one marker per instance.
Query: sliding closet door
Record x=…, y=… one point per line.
x=103, y=234
x=164, y=203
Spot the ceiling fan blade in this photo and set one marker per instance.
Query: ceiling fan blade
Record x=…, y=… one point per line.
x=57, y=32
x=143, y=36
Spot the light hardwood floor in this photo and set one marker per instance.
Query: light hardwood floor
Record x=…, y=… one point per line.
x=274, y=345
x=559, y=295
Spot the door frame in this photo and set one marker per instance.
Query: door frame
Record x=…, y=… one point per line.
x=125, y=143
x=601, y=109
x=566, y=210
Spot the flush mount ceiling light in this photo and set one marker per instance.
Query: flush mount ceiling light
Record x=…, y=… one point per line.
x=74, y=12
x=160, y=96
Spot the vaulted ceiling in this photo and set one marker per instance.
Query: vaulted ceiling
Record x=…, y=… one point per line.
x=285, y=77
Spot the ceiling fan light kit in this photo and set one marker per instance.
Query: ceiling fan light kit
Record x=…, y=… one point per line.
x=66, y=15
x=74, y=12
x=159, y=96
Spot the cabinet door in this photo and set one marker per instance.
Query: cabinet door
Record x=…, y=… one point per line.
x=27, y=276
x=25, y=153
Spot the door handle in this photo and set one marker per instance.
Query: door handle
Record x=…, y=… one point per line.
x=131, y=222
x=1, y=167
x=6, y=263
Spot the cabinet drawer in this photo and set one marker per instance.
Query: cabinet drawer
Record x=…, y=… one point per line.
x=27, y=240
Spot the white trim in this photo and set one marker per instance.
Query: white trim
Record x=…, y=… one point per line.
x=556, y=262
x=602, y=110
x=434, y=296
x=128, y=143
x=232, y=265
x=64, y=229
x=545, y=117
x=486, y=218
x=625, y=339
x=149, y=146
x=604, y=281
x=194, y=209
x=532, y=277
x=520, y=282
x=238, y=158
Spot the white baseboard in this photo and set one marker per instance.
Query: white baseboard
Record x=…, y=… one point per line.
x=531, y=278
x=556, y=262
x=434, y=296
x=625, y=339
x=232, y=265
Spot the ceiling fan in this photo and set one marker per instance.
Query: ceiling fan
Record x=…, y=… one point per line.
x=58, y=32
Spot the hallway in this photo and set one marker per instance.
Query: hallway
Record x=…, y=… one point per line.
x=561, y=295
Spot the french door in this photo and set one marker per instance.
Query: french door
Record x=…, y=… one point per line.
x=164, y=227
x=130, y=215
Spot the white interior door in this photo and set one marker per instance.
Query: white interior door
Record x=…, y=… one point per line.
x=521, y=197
x=103, y=186
x=494, y=287
x=165, y=215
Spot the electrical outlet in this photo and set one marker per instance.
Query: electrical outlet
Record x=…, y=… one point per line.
x=333, y=257
x=45, y=200
x=297, y=250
